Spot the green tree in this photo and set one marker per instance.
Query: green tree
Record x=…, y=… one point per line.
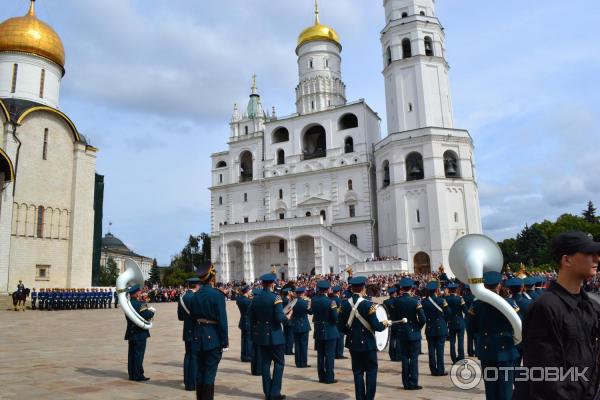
x=532, y=246
x=175, y=276
x=154, y=273
x=205, y=237
x=589, y=214
x=109, y=273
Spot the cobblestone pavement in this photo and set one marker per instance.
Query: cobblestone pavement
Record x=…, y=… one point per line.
x=82, y=355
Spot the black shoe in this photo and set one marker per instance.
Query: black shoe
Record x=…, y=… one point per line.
x=332, y=382
x=280, y=397
x=341, y=358
x=443, y=374
x=142, y=379
x=414, y=388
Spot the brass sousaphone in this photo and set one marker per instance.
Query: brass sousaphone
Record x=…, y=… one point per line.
x=131, y=276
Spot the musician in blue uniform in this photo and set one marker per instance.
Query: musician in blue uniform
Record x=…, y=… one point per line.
x=515, y=285
x=409, y=333
x=393, y=349
x=34, y=297
x=189, y=325
x=359, y=321
x=469, y=299
x=266, y=319
x=339, y=343
x=325, y=318
x=540, y=283
x=255, y=364
x=286, y=296
x=137, y=336
x=436, y=329
x=495, y=345
x=243, y=302
x=211, y=335
x=456, y=323
x=300, y=327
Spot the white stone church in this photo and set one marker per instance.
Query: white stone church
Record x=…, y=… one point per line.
x=320, y=190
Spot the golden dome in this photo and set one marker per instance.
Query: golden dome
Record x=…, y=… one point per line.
x=28, y=34
x=318, y=32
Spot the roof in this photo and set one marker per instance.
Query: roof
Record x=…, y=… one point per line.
x=111, y=242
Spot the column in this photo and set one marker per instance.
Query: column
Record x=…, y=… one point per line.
x=225, y=262
x=292, y=259
x=248, y=261
x=6, y=211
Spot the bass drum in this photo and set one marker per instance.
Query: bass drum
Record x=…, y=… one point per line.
x=382, y=338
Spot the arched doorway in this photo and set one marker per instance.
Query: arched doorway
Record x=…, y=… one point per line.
x=236, y=261
x=246, y=166
x=422, y=263
x=314, y=143
x=305, y=249
x=270, y=253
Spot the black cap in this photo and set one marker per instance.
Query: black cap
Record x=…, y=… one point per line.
x=574, y=242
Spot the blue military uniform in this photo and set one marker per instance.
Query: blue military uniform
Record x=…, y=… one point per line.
x=211, y=333
x=189, y=324
x=300, y=327
x=339, y=345
x=287, y=331
x=34, y=297
x=469, y=299
x=266, y=319
x=256, y=365
x=42, y=299
x=243, y=302
x=409, y=333
x=325, y=318
x=436, y=329
x=456, y=323
x=495, y=345
x=393, y=349
x=137, y=337
x=360, y=340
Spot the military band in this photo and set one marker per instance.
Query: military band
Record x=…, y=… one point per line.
x=325, y=318
x=56, y=299
x=300, y=328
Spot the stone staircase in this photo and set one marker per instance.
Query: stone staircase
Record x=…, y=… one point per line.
x=351, y=251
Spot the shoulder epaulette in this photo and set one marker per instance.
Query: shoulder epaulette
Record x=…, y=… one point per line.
x=278, y=300
x=333, y=304
x=471, y=311
x=373, y=309
x=444, y=304
x=462, y=301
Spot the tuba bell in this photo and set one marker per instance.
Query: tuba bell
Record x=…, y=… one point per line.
x=131, y=276
x=470, y=257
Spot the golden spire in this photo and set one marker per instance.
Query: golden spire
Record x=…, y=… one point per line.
x=318, y=31
x=317, y=20
x=32, y=9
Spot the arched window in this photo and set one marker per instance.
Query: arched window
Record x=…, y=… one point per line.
x=404, y=14
x=352, y=211
x=323, y=214
x=308, y=214
x=280, y=194
x=314, y=143
x=406, y=48
x=354, y=240
x=386, y=173
x=451, y=168
x=246, y=129
x=220, y=178
x=349, y=184
x=347, y=121
x=311, y=64
x=280, y=135
x=281, y=246
x=221, y=164
x=388, y=56
x=349, y=145
x=414, y=167
x=246, y=167
x=220, y=200
x=422, y=13
x=280, y=157
x=455, y=217
x=326, y=63
x=428, y=46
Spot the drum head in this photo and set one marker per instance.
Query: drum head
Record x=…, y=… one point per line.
x=382, y=338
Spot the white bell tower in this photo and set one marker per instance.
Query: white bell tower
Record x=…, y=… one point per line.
x=415, y=69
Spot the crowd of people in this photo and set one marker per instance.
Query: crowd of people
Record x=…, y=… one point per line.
x=386, y=258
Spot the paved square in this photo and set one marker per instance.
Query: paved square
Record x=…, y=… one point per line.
x=82, y=355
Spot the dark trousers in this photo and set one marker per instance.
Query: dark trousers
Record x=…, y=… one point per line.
x=272, y=355
x=470, y=345
x=246, y=342
x=394, y=347
x=135, y=359
x=301, y=347
x=502, y=388
x=364, y=364
x=454, y=336
x=435, y=347
x=207, y=363
x=325, y=360
x=190, y=368
x=339, y=346
x=33, y=301
x=409, y=353
x=255, y=364
x=289, y=340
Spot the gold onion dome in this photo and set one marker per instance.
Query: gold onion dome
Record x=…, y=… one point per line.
x=27, y=34
x=318, y=32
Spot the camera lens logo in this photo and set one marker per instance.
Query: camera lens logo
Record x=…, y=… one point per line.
x=466, y=374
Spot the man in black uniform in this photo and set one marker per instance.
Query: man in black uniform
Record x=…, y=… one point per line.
x=562, y=328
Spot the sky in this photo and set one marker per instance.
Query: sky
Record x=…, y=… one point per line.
x=152, y=83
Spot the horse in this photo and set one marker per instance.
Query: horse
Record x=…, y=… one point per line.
x=19, y=298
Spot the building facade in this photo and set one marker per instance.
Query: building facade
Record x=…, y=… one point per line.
x=113, y=247
x=47, y=167
x=320, y=190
